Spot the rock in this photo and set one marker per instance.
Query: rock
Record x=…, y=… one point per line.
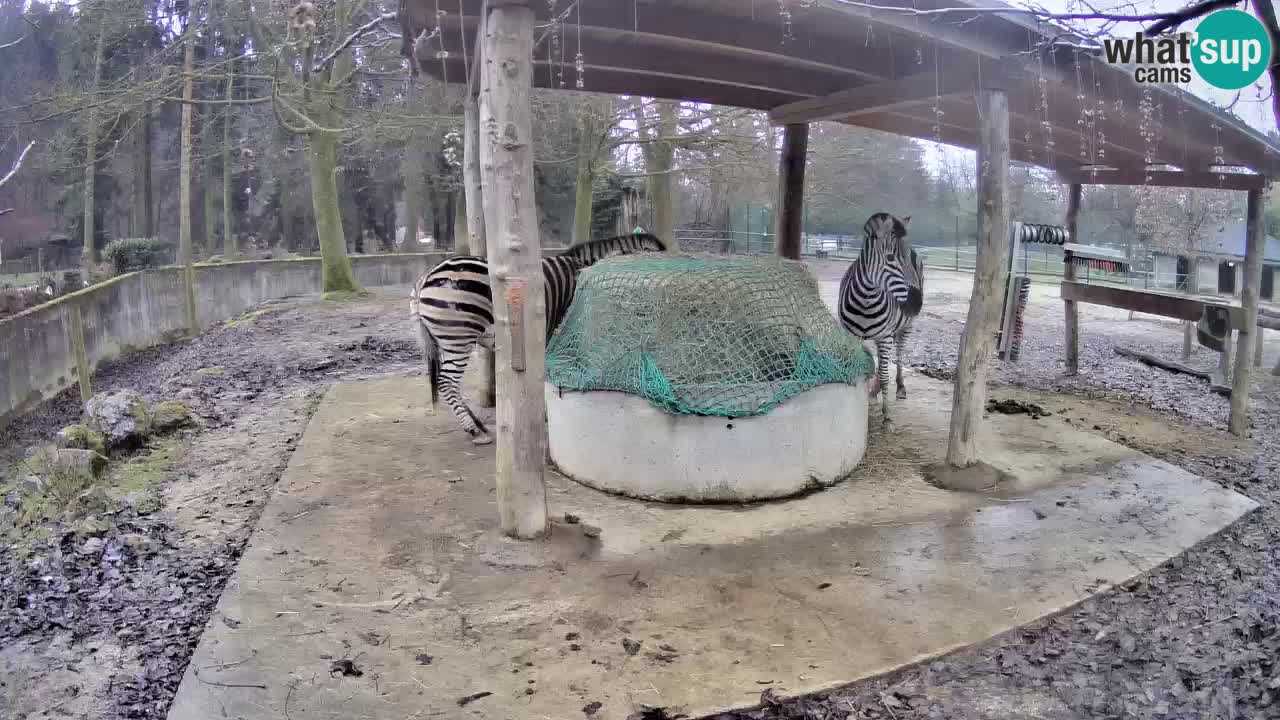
x=82, y=437
x=170, y=416
x=122, y=417
x=13, y=500
x=210, y=372
x=48, y=463
x=186, y=394
x=590, y=531
x=31, y=484
x=91, y=546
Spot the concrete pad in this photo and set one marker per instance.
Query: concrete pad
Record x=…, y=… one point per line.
x=381, y=546
x=809, y=442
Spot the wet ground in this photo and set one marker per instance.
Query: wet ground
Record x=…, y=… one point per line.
x=105, y=630
x=1195, y=639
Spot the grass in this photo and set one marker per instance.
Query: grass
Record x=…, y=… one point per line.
x=82, y=503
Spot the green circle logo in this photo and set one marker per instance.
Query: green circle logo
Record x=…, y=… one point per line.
x=1232, y=49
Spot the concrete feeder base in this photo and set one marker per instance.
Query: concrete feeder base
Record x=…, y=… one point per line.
x=621, y=443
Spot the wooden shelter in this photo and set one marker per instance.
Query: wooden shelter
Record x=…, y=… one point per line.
x=953, y=71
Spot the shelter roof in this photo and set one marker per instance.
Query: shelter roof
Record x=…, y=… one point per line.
x=909, y=74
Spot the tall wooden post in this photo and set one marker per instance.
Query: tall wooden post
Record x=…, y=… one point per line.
x=988, y=279
x=788, y=220
x=1074, y=193
x=476, y=238
x=515, y=264
x=1239, y=422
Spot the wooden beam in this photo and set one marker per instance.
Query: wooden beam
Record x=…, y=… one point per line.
x=788, y=221
x=969, y=399
x=1074, y=194
x=1238, y=424
x=477, y=243
x=472, y=71
x=960, y=136
x=661, y=56
x=925, y=87
x=1178, y=307
x=511, y=223
x=625, y=81
x=1167, y=178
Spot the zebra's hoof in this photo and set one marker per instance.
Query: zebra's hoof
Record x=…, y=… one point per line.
x=482, y=439
x=902, y=393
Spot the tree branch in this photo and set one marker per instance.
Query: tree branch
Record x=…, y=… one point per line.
x=1267, y=12
x=17, y=164
x=333, y=55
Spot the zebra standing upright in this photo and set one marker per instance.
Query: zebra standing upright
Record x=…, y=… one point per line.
x=882, y=292
x=452, y=309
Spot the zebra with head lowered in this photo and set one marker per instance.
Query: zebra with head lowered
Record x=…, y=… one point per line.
x=881, y=293
x=452, y=309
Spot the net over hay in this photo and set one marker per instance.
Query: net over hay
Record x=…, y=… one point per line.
x=701, y=335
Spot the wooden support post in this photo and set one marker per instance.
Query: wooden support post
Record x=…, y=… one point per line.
x=1258, y=341
x=75, y=338
x=515, y=265
x=788, y=220
x=991, y=265
x=1223, y=375
x=1074, y=192
x=1248, y=330
x=476, y=238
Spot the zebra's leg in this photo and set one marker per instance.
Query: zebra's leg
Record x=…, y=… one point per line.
x=453, y=367
x=898, y=341
x=882, y=351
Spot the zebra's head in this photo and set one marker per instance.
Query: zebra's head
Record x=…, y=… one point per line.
x=886, y=250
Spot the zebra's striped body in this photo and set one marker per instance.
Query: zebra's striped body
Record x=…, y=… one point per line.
x=881, y=293
x=452, y=307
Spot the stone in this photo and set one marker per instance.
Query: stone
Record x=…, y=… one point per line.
x=31, y=484
x=82, y=437
x=122, y=417
x=47, y=462
x=91, y=546
x=210, y=372
x=170, y=416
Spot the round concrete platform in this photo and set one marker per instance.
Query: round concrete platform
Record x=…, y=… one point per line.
x=621, y=443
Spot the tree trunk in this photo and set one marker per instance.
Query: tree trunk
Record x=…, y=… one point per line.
x=322, y=164
x=1074, y=197
x=230, y=242
x=506, y=158
x=460, y=227
x=587, y=143
x=788, y=220
x=980, y=326
x=90, y=251
x=476, y=237
x=211, y=190
x=184, y=182
x=662, y=176
x=1249, y=331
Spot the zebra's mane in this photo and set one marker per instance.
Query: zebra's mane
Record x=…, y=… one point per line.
x=592, y=251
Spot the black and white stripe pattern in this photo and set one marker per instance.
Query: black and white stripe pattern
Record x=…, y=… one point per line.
x=452, y=307
x=881, y=292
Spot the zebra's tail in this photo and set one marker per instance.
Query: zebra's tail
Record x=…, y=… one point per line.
x=430, y=351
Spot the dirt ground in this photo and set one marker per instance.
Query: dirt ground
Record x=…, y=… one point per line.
x=105, y=630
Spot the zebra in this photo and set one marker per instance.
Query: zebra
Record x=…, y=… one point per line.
x=881, y=293
x=452, y=308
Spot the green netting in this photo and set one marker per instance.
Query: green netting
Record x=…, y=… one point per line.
x=702, y=335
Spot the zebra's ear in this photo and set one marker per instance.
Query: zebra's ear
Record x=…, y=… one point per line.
x=906, y=220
